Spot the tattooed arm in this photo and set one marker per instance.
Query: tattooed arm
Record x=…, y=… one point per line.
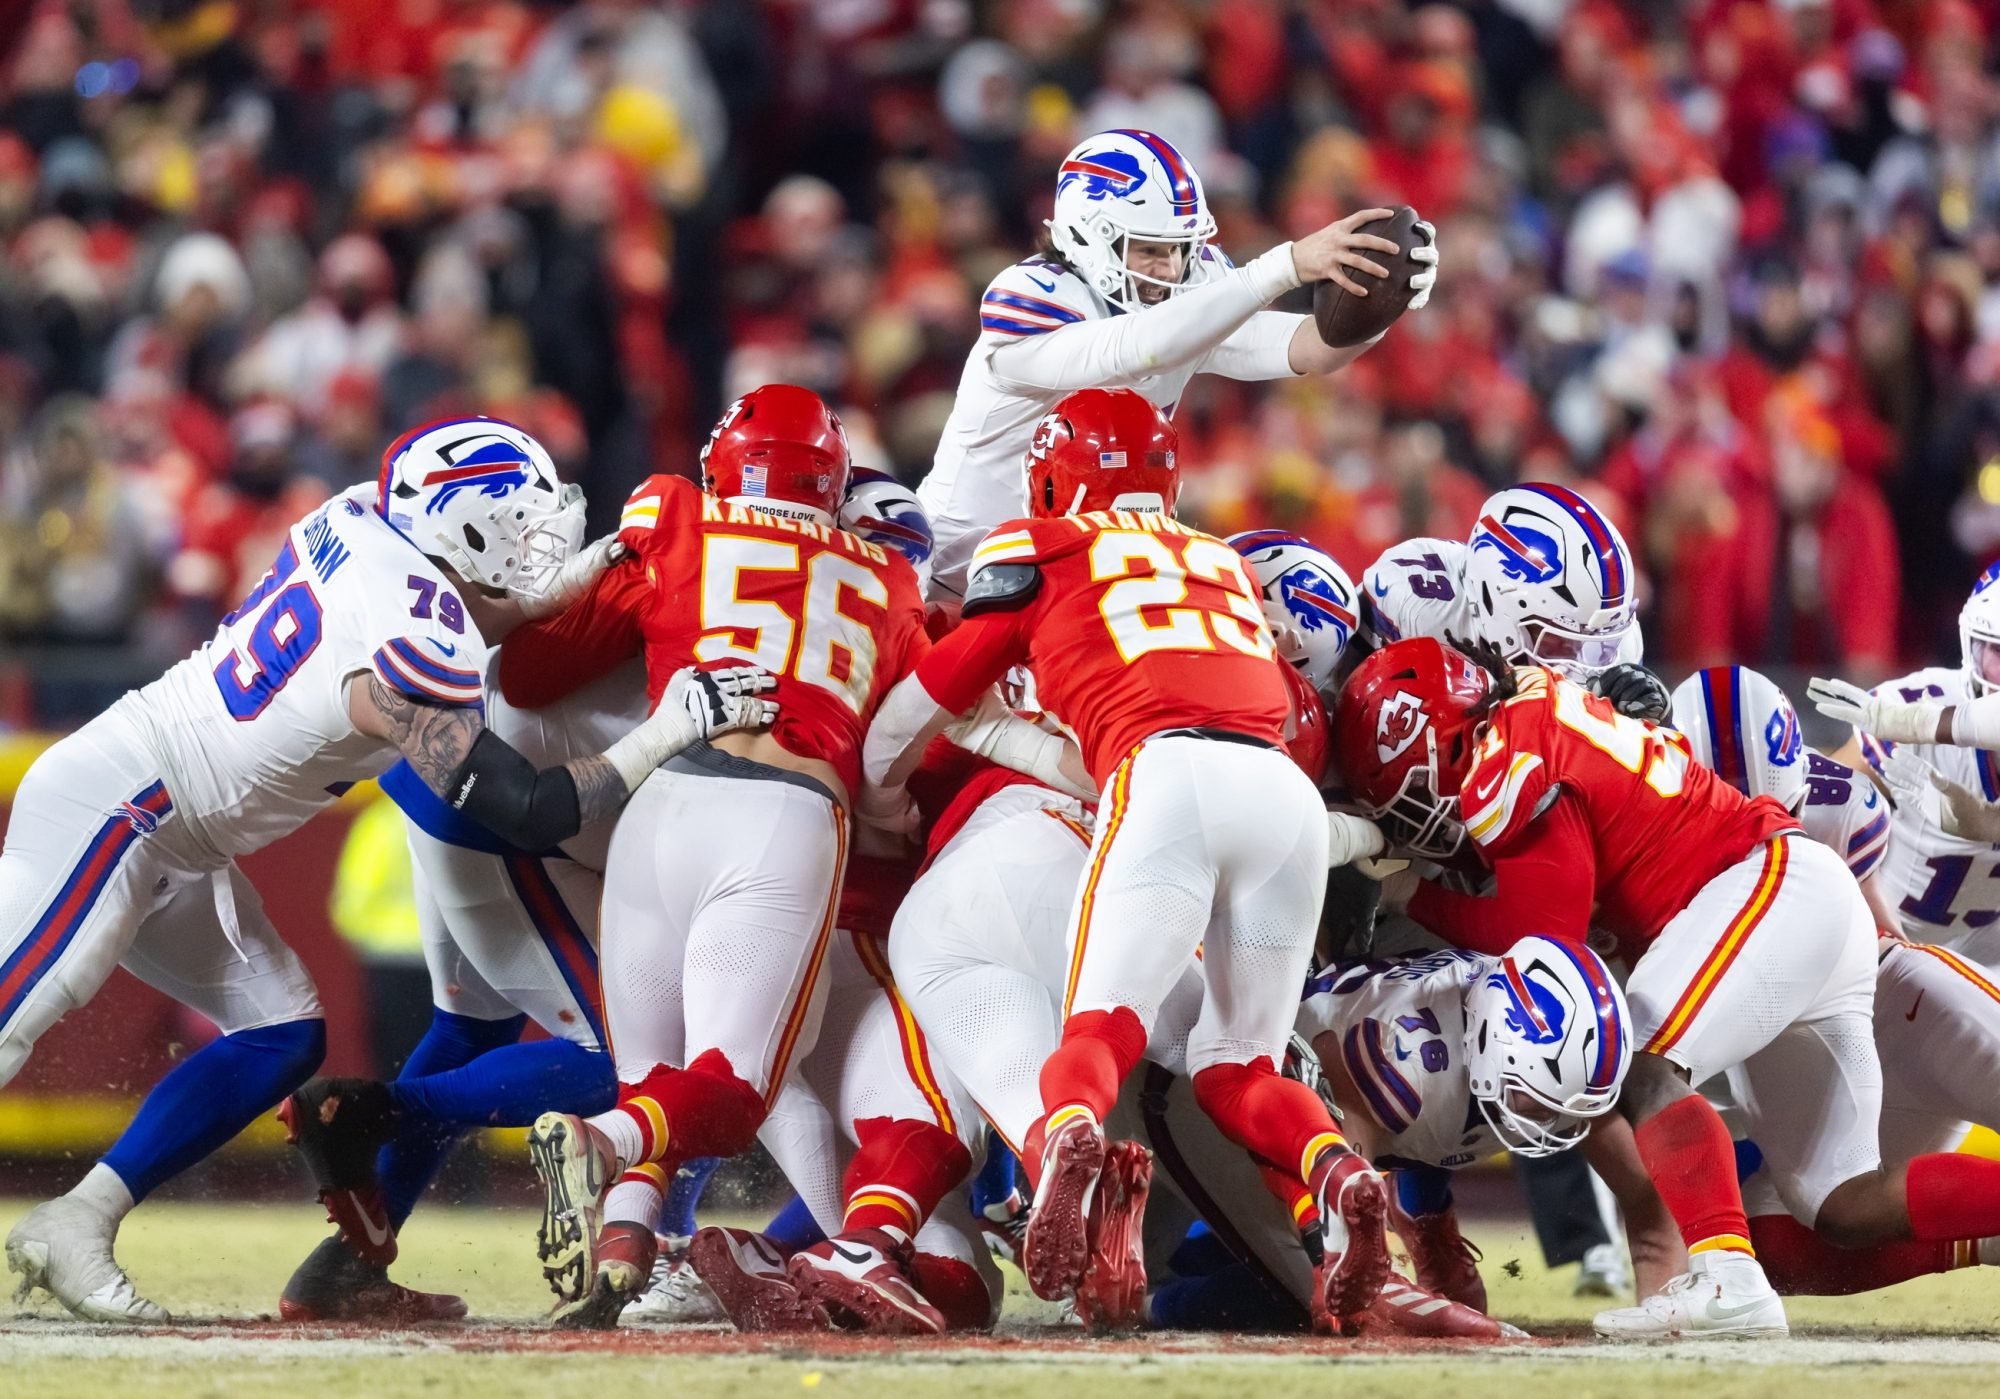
x=481, y=774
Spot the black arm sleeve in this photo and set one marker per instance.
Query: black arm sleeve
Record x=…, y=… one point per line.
x=529, y=808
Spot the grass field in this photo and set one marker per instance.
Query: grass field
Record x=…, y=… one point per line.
x=220, y=1268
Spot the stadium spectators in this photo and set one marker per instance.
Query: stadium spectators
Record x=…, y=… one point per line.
x=1733, y=268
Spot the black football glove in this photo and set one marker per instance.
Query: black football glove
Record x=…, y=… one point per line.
x=1634, y=691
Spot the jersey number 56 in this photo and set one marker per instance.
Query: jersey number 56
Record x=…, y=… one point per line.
x=825, y=646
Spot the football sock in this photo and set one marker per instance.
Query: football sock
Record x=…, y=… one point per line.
x=1099, y=1048
x=1422, y=1190
x=1801, y=1263
x=956, y=1289
x=511, y=1086
x=684, y=1194
x=794, y=1227
x=994, y=1184
x=1276, y=1119
x=673, y=1115
x=1692, y=1163
x=1950, y=1196
x=409, y=1160
x=637, y=1196
x=211, y=1096
x=899, y=1173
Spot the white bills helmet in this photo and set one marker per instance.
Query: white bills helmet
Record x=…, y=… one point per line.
x=484, y=497
x=884, y=511
x=1979, y=633
x=1546, y=1044
x=1120, y=185
x=1550, y=582
x=1740, y=724
x=1308, y=599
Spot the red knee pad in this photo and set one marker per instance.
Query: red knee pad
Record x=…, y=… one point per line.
x=958, y=1290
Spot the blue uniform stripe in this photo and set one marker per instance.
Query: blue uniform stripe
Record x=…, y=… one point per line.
x=1364, y=1079
x=1031, y=304
x=443, y=674
x=571, y=951
x=1013, y=327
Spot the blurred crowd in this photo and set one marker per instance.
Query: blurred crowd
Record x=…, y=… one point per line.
x=1732, y=267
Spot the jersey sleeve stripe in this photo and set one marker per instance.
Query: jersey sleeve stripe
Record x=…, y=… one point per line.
x=1360, y=1070
x=1035, y=305
x=1012, y=327
x=1491, y=819
x=643, y=511
x=433, y=670
x=391, y=669
x=1001, y=548
x=1869, y=844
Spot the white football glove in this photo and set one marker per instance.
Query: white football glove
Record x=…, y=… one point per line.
x=1351, y=838
x=1883, y=716
x=722, y=701
x=1423, y=281
x=1956, y=810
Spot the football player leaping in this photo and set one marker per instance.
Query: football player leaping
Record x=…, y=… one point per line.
x=1749, y=945
x=353, y=649
x=1130, y=293
x=1150, y=641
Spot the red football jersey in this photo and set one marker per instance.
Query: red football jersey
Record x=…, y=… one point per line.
x=1140, y=624
x=836, y=619
x=1645, y=825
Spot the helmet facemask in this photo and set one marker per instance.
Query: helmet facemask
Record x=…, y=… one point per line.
x=1100, y=249
x=1416, y=819
x=1979, y=644
x=1570, y=652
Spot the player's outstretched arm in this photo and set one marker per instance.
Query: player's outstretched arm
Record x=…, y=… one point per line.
x=996, y=733
x=1657, y=1250
x=481, y=774
x=1974, y=725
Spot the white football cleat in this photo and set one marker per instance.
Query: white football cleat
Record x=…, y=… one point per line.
x=1724, y=1294
x=676, y=1296
x=1602, y=1272
x=64, y=1248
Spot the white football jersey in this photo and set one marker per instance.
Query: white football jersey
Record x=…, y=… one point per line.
x=978, y=478
x=253, y=728
x=1944, y=890
x=1842, y=809
x=1418, y=589
x=1401, y=1031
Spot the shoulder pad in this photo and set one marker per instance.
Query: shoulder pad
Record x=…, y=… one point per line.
x=643, y=506
x=1002, y=587
x=1032, y=298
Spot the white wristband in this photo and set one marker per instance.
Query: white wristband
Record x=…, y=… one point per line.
x=664, y=733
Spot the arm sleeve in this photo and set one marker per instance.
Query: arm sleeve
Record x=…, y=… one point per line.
x=545, y=661
x=1120, y=350
x=1546, y=880
x=1977, y=724
x=959, y=668
x=529, y=808
x=1260, y=348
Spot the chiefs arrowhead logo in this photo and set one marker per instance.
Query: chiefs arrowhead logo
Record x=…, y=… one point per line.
x=1398, y=724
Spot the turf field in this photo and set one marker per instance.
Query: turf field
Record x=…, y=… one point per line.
x=221, y=1267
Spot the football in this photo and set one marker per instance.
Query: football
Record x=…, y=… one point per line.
x=1344, y=319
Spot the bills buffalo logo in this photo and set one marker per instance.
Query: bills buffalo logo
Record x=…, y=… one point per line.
x=1781, y=737
x=1105, y=174
x=1314, y=602
x=496, y=468
x=1398, y=724
x=1527, y=554
x=138, y=818
x=1533, y=1011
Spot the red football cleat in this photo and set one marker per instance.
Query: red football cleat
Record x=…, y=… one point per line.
x=746, y=1272
x=862, y=1282
x=1353, y=1214
x=1056, y=1248
x=338, y=1125
x=336, y=1284
x=1404, y=1309
x=1444, y=1262
x=1112, y=1294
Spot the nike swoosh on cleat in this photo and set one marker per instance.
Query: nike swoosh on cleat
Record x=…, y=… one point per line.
x=1718, y=1312
x=378, y=1234
x=1913, y=1008
x=861, y=1257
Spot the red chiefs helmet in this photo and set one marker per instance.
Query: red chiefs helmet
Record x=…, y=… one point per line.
x=1103, y=449
x=1403, y=730
x=1306, y=733
x=781, y=450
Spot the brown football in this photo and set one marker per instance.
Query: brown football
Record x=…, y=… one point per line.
x=1344, y=319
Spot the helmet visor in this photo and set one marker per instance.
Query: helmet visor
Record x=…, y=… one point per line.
x=1576, y=654
x=1984, y=661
